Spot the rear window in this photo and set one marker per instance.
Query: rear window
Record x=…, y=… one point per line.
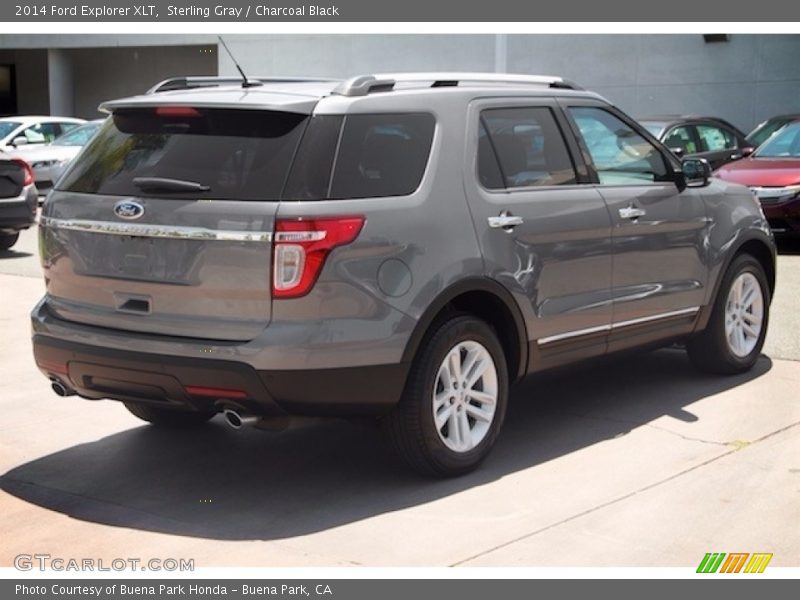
x=230, y=154
x=361, y=156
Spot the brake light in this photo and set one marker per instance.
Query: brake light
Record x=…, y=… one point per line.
x=177, y=111
x=301, y=247
x=28, y=180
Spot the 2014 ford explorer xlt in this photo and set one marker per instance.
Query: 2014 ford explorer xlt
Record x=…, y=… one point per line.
x=402, y=246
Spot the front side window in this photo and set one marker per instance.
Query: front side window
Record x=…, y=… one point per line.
x=682, y=139
x=620, y=155
x=522, y=147
x=42, y=133
x=715, y=138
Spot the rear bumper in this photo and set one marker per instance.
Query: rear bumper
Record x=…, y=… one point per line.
x=211, y=384
x=20, y=212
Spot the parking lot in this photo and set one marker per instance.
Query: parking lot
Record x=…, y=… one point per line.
x=638, y=461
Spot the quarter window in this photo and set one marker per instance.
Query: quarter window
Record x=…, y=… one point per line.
x=361, y=156
x=382, y=155
x=522, y=147
x=620, y=155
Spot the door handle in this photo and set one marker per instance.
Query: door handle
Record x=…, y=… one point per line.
x=631, y=212
x=505, y=221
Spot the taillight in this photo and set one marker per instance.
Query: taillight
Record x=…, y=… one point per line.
x=300, y=248
x=27, y=169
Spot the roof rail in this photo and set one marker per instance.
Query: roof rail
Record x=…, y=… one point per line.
x=366, y=84
x=188, y=83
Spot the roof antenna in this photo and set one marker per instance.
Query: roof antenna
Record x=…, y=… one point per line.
x=246, y=83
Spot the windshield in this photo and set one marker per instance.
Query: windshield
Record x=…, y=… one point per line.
x=762, y=133
x=7, y=127
x=784, y=144
x=79, y=136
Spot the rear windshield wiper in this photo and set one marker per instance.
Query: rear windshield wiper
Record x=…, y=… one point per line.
x=164, y=184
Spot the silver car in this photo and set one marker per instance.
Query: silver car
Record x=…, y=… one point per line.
x=402, y=246
x=49, y=161
x=23, y=130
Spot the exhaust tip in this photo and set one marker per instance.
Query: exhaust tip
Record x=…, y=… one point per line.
x=60, y=389
x=233, y=418
x=237, y=420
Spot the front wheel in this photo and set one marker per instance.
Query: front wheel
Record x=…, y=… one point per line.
x=455, y=400
x=732, y=340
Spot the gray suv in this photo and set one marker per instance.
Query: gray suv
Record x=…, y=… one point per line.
x=400, y=246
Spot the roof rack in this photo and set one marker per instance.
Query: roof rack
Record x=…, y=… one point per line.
x=188, y=83
x=367, y=84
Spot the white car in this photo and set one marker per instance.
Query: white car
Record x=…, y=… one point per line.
x=19, y=131
x=48, y=161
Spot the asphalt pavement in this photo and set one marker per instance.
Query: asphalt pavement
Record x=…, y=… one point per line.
x=638, y=461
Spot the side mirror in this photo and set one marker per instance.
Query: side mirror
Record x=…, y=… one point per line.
x=19, y=141
x=696, y=172
x=677, y=151
x=747, y=151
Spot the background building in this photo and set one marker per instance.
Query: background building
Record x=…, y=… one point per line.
x=744, y=78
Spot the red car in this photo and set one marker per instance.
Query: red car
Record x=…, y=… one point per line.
x=773, y=173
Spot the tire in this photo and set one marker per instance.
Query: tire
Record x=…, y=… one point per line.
x=727, y=345
x=461, y=441
x=166, y=417
x=8, y=240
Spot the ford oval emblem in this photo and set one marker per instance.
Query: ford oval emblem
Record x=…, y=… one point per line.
x=128, y=209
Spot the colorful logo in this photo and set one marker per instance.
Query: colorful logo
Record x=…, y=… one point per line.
x=735, y=562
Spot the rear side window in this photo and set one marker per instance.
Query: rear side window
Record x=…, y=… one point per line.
x=522, y=147
x=236, y=154
x=361, y=156
x=715, y=138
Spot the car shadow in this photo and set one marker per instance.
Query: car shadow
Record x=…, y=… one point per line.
x=788, y=245
x=13, y=254
x=250, y=485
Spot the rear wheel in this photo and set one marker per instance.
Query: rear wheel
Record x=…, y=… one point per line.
x=732, y=341
x=166, y=417
x=7, y=240
x=455, y=400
